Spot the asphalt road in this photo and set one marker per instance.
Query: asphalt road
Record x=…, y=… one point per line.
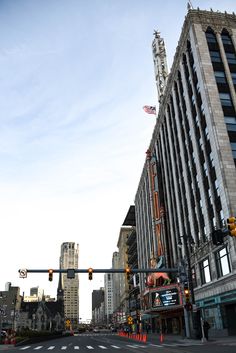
x=99, y=343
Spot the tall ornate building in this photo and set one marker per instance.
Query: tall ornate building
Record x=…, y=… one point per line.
x=188, y=185
x=70, y=286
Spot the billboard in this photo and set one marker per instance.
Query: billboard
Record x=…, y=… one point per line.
x=165, y=297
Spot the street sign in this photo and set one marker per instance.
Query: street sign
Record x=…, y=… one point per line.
x=130, y=320
x=23, y=273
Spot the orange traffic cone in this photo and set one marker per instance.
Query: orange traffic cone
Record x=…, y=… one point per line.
x=161, y=337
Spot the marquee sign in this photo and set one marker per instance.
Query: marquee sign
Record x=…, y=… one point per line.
x=165, y=297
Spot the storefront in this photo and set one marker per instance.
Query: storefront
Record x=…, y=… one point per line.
x=220, y=312
x=162, y=309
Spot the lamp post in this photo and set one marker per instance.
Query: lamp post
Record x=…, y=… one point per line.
x=14, y=312
x=187, y=241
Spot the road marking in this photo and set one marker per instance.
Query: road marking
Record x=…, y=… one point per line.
x=103, y=347
x=76, y=347
x=22, y=349
x=116, y=347
x=39, y=347
x=156, y=345
x=89, y=347
x=64, y=347
x=50, y=348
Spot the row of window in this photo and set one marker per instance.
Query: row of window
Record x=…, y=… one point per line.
x=222, y=263
x=221, y=80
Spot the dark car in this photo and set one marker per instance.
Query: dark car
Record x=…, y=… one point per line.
x=3, y=334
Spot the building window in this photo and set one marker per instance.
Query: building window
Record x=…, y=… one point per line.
x=233, y=146
x=194, y=280
x=226, y=39
x=230, y=123
x=233, y=75
x=222, y=262
x=211, y=38
x=205, y=271
x=215, y=56
x=231, y=57
x=225, y=99
x=220, y=77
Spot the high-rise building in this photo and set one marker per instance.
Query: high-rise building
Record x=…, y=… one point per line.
x=70, y=286
x=108, y=297
x=38, y=292
x=116, y=287
x=187, y=188
x=98, y=312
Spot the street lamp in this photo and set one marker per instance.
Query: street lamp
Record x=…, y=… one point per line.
x=187, y=242
x=14, y=312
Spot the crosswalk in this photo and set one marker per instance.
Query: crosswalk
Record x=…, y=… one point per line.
x=104, y=347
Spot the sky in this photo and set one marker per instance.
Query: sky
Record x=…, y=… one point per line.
x=74, y=76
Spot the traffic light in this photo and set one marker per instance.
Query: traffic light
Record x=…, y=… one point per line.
x=218, y=237
x=50, y=275
x=90, y=273
x=127, y=271
x=231, y=221
x=187, y=295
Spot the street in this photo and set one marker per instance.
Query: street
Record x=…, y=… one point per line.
x=113, y=343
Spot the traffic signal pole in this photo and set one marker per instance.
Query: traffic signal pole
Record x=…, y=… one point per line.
x=23, y=272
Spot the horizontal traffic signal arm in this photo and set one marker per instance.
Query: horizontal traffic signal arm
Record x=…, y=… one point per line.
x=98, y=270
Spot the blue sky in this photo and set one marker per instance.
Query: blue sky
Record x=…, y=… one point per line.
x=74, y=75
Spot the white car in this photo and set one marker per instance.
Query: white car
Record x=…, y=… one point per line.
x=96, y=330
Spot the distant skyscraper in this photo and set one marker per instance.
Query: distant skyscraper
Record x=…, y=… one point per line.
x=38, y=292
x=108, y=296
x=70, y=286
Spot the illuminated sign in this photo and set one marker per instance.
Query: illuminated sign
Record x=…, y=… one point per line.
x=167, y=297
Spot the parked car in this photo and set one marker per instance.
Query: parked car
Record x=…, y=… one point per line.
x=3, y=334
x=96, y=330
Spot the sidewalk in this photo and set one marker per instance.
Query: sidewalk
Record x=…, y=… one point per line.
x=155, y=338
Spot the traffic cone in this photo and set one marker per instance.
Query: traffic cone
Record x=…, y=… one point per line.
x=161, y=337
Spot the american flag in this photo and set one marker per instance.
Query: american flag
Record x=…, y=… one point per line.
x=149, y=109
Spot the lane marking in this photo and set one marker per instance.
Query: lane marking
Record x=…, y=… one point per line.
x=22, y=349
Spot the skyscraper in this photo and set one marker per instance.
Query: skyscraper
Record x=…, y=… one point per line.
x=188, y=185
x=70, y=286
